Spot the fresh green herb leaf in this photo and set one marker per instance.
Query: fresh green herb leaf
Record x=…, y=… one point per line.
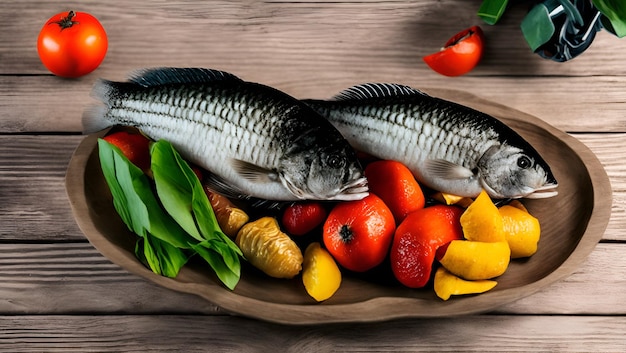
x=537, y=27
x=173, y=187
x=134, y=200
x=227, y=268
x=615, y=12
x=184, y=198
x=491, y=10
x=161, y=257
x=139, y=209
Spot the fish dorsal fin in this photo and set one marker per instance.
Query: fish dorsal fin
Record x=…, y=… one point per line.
x=170, y=75
x=440, y=168
x=376, y=90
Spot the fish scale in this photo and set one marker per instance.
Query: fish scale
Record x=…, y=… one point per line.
x=447, y=146
x=254, y=140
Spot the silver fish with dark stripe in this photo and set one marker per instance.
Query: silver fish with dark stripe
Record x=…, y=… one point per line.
x=253, y=139
x=448, y=147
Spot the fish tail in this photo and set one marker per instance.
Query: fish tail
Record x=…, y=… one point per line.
x=95, y=117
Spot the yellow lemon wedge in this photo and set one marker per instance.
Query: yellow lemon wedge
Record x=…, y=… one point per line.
x=446, y=284
x=476, y=260
x=320, y=274
x=451, y=199
x=482, y=221
x=521, y=231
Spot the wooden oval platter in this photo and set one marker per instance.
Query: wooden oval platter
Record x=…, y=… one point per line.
x=572, y=224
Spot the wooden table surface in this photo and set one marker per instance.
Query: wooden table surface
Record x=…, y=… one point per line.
x=58, y=293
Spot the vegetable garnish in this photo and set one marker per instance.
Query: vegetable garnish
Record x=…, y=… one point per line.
x=173, y=223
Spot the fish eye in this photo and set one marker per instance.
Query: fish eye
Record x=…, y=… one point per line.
x=334, y=161
x=524, y=162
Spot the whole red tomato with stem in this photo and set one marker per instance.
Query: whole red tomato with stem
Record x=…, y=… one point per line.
x=358, y=234
x=460, y=54
x=72, y=44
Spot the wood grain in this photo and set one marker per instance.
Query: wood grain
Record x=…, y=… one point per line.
x=227, y=334
x=74, y=278
x=317, y=38
x=573, y=104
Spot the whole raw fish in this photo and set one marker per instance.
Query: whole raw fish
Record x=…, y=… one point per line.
x=255, y=140
x=447, y=146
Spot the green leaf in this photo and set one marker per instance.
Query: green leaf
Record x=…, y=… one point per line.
x=491, y=10
x=615, y=12
x=173, y=188
x=161, y=257
x=228, y=273
x=537, y=27
x=184, y=198
x=134, y=199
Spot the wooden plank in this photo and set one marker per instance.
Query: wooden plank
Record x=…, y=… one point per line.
x=73, y=278
x=163, y=333
x=34, y=206
x=319, y=37
x=33, y=202
x=575, y=104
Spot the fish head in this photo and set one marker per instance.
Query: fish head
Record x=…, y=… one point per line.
x=332, y=172
x=506, y=171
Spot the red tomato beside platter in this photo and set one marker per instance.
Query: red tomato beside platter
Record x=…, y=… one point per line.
x=72, y=44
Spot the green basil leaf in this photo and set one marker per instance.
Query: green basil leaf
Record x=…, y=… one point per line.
x=491, y=10
x=227, y=273
x=161, y=257
x=134, y=199
x=173, y=187
x=121, y=178
x=615, y=12
x=191, y=208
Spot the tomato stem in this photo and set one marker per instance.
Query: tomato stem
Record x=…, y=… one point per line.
x=346, y=234
x=66, y=22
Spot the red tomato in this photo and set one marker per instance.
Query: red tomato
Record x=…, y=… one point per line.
x=417, y=239
x=394, y=183
x=358, y=233
x=460, y=54
x=72, y=44
x=135, y=147
x=302, y=217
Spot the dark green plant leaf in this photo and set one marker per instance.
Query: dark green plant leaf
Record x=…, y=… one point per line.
x=615, y=12
x=490, y=11
x=537, y=27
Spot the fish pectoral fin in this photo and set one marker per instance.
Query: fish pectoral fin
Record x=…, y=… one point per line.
x=253, y=172
x=223, y=187
x=441, y=168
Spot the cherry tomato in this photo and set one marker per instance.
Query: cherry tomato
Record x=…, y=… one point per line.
x=72, y=44
x=460, y=54
x=358, y=234
x=302, y=217
x=394, y=183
